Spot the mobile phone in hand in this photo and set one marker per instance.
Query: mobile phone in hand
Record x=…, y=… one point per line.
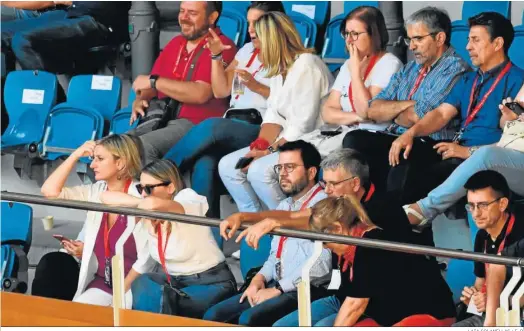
x=243, y=162
x=61, y=238
x=515, y=107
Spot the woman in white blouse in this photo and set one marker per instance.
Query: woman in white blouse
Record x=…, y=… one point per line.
x=116, y=161
x=187, y=256
x=362, y=77
x=302, y=82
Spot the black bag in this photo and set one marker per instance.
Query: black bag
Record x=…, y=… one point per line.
x=161, y=111
x=171, y=295
x=249, y=115
x=249, y=277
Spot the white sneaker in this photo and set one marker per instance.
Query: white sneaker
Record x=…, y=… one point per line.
x=236, y=255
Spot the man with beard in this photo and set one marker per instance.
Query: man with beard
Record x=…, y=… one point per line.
x=272, y=292
x=419, y=87
x=182, y=72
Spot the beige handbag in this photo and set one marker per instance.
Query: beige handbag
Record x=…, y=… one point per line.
x=513, y=136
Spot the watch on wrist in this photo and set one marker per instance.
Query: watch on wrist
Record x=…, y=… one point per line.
x=152, y=81
x=278, y=287
x=271, y=149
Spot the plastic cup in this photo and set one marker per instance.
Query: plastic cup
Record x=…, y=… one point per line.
x=48, y=222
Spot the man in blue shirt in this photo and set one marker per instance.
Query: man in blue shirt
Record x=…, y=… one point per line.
x=420, y=86
x=55, y=40
x=474, y=99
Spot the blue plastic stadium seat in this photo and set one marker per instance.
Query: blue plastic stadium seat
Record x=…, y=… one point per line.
x=306, y=27
x=29, y=96
x=472, y=8
x=234, y=26
x=350, y=5
x=250, y=258
x=319, y=10
x=516, y=51
x=239, y=6
x=459, y=40
x=16, y=236
x=120, y=120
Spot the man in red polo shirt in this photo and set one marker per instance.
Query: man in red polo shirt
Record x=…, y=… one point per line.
x=172, y=77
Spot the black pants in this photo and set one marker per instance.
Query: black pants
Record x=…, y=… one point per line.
x=413, y=178
x=56, y=276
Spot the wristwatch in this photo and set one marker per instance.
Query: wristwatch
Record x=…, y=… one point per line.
x=271, y=149
x=152, y=81
x=278, y=287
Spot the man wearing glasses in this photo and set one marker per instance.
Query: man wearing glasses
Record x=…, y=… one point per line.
x=489, y=203
x=345, y=172
x=420, y=86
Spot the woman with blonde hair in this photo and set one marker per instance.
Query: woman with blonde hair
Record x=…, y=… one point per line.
x=302, y=82
x=193, y=274
x=115, y=163
x=383, y=286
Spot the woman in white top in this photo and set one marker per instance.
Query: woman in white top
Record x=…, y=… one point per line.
x=116, y=161
x=362, y=77
x=202, y=147
x=187, y=257
x=301, y=83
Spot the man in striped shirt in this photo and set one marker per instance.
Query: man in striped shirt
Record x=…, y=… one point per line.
x=419, y=87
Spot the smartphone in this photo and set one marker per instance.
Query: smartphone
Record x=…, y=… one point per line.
x=515, y=107
x=61, y=238
x=330, y=133
x=243, y=162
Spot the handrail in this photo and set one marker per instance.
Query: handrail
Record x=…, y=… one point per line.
x=372, y=243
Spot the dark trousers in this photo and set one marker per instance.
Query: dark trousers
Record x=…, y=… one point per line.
x=56, y=276
x=52, y=41
x=413, y=178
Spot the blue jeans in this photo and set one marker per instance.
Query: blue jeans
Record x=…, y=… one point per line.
x=204, y=289
x=508, y=162
x=49, y=41
x=200, y=150
x=13, y=14
x=264, y=314
x=323, y=313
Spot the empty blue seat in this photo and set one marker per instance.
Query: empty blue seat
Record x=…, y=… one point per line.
x=334, y=50
x=350, y=5
x=472, y=8
x=306, y=27
x=318, y=11
x=459, y=40
x=516, y=53
x=234, y=26
x=29, y=96
x=250, y=258
x=239, y=6
x=16, y=236
x=120, y=120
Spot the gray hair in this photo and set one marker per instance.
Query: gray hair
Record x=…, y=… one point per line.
x=351, y=161
x=435, y=19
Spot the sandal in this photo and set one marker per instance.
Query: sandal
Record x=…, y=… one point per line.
x=423, y=220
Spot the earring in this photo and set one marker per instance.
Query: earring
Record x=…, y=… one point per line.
x=119, y=177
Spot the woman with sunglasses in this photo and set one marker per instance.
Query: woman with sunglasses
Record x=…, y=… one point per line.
x=368, y=71
x=374, y=287
x=115, y=162
x=187, y=256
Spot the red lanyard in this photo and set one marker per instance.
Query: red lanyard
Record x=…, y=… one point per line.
x=189, y=60
x=162, y=252
x=105, y=220
x=249, y=63
x=370, y=192
x=370, y=66
x=423, y=72
x=474, y=112
x=501, y=247
x=304, y=206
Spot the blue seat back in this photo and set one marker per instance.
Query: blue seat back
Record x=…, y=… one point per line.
x=29, y=97
x=234, y=26
x=516, y=51
x=350, y=5
x=120, y=120
x=239, y=6
x=459, y=40
x=17, y=223
x=250, y=258
x=472, y=8
x=459, y=274
x=306, y=27
x=69, y=126
x=318, y=11
x=100, y=92
x=334, y=44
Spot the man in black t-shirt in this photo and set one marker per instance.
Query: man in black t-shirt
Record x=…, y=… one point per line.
x=488, y=201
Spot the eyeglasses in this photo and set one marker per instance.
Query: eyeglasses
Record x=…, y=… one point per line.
x=353, y=34
x=325, y=184
x=289, y=167
x=149, y=188
x=417, y=39
x=481, y=206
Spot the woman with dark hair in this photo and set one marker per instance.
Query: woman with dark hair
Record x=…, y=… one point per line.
x=193, y=274
x=374, y=287
x=202, y=147
x=363, y=76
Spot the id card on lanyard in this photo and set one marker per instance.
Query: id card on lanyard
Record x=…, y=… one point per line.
x=278, y=263
x=472, y=113
x=248, y=65
x=107, y=249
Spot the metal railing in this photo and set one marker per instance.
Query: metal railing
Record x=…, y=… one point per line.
x=516, y=263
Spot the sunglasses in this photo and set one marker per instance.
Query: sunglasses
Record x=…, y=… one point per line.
x=149, y=188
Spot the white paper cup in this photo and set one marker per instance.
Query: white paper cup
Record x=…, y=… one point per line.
x=48, y=222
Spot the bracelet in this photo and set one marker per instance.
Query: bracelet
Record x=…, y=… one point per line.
x=216, y=57
x=260, y=144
